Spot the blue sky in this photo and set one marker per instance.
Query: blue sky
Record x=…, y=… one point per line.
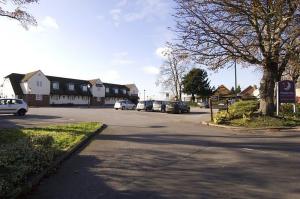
x=116, y=41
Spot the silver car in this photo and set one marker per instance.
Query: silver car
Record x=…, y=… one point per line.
x=159, y=106
x=13, y=106
x=124, y=104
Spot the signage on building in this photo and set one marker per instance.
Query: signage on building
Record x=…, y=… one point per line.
x=286, y=91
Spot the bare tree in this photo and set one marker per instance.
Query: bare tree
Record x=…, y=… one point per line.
x=172, y=71
x=18, y=12
x=253, y=32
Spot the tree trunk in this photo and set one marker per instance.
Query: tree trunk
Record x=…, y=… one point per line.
x=193, y=97
x=267, y=86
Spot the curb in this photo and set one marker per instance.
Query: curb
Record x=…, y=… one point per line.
x=245, y=128
x=37, y=179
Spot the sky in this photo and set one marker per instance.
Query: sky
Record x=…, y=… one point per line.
x=118, y=41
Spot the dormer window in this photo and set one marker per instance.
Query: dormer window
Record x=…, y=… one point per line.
x=55, y=85
x=71, y=87
x=84, y=88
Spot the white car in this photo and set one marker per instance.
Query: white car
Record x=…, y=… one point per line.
x=13, y=106
x=124, y=104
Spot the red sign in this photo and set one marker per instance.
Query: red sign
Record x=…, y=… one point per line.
x=286, y=91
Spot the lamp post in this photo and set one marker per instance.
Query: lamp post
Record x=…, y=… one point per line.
x=235, y=78
x=144, y=94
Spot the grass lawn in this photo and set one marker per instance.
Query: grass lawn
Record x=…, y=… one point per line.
x=264, y=121
x=26, y=152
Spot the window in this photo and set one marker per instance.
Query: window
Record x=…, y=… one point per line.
x=71, y=87
x=39, y=97
x=98, y=99
x=55, y=85
x=99, y=85
x=39, y=83
x=84, y=88
x=124, y=91
x=107, y=90
x=116, y=91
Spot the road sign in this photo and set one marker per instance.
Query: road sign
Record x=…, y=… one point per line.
x=286, y=91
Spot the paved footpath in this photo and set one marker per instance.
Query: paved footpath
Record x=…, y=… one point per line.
x=167, y=158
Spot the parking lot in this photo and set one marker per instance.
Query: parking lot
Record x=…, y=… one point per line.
x=158, y=155
x=42, y=116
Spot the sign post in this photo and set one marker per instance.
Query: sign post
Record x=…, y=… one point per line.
x=286, y=93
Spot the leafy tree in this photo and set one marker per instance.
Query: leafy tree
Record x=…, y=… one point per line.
x=14, y=9
x=232, y=90
x=252, y=32
x=196, y=83
x=238, y=89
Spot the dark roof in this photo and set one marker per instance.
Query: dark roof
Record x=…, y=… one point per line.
x=64, y=83
x=15, y=80
x=29, y=75
x=108, y=85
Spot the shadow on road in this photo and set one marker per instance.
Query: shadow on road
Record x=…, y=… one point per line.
x=12, y=121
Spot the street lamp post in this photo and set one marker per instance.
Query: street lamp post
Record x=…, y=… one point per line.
x=144, y=94
x=235, y=78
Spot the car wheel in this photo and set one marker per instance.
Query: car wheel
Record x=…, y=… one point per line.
x=21, y=112
x=116, y=109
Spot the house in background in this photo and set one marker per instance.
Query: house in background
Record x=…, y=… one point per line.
x=37, y=89
x=222, y=92
x=249, y=92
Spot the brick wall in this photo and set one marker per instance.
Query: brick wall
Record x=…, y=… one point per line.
x=96, y=102
x=31, y=100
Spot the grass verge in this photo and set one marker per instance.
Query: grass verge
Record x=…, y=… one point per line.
x=24, y=153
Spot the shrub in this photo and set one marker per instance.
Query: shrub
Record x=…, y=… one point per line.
x=23, y=158
x=243, y=109
x=221, y=117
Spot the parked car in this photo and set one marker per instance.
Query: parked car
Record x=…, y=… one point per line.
x=159, y=105
x=145, y=105
x=13, y=106
x=124, y=104
x=203, y=104
x=177, y=107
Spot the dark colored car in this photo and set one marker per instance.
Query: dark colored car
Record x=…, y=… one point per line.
x=177, y=107
x=145, y=105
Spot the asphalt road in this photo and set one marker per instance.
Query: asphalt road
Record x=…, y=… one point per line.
x=154, y=155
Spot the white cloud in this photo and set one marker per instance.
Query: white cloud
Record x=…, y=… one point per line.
x=116, y=16
x=121, y=58
x=162, y=52
x=152, y=70
x=146, y=10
